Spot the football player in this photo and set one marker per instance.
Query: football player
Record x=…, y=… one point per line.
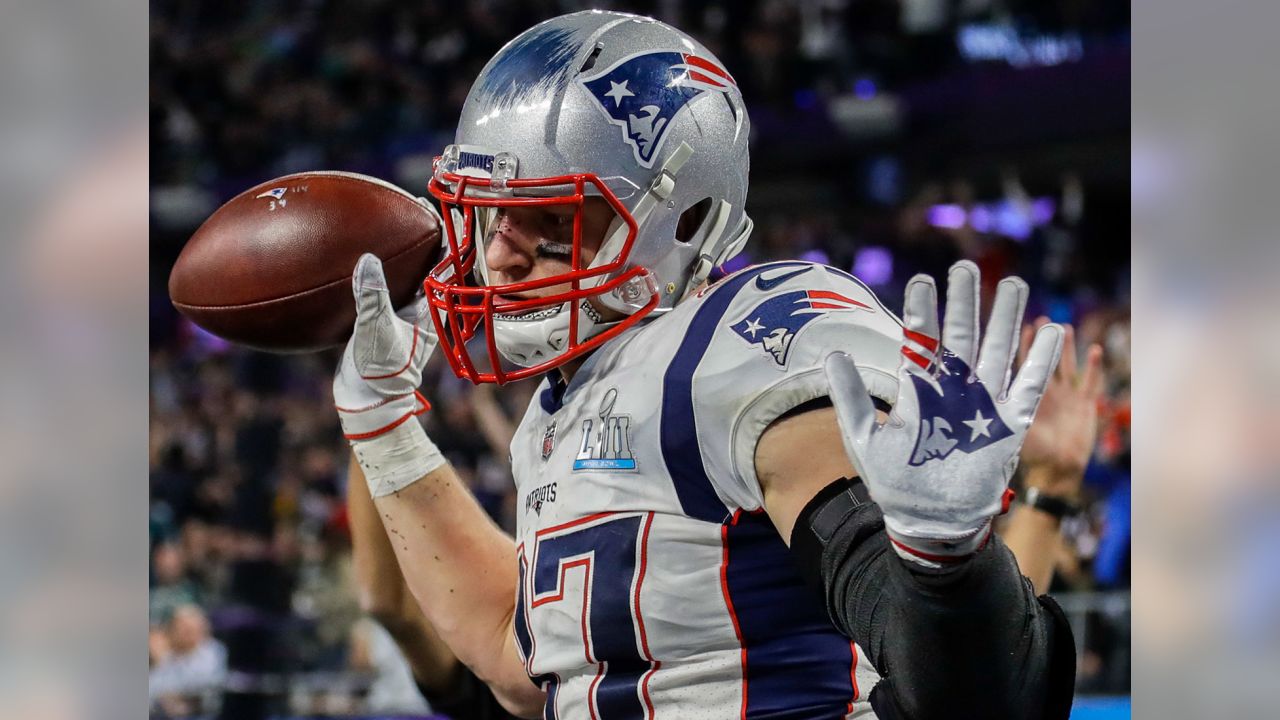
x=765, y=497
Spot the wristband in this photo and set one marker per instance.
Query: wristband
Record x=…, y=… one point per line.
x=397, y=458
x=1058, y=507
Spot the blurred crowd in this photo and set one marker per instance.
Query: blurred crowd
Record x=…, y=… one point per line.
x=241, y=92
x=250, y=550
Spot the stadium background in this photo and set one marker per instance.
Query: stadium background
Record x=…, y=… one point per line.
x=890, y=137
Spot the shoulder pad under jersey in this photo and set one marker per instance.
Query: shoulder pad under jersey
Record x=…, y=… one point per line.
x=765, y=333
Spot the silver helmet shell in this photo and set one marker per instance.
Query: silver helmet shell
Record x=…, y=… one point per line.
x=645, y=108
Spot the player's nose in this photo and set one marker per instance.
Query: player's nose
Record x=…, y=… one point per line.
x=510, y=249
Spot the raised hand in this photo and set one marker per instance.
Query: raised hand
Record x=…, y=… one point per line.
x=1065, y=431
x=940, y=466
x=376, y=385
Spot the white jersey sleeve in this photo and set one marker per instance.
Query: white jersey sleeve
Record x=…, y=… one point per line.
x=767, y=331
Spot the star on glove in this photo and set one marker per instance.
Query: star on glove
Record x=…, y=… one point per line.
x=376, y=387
x=939, y=468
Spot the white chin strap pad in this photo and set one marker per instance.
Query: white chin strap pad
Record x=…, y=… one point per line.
x=532, y=339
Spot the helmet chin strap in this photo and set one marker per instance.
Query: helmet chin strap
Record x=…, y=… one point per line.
x=483, y=219
x=711, y=253
x=663, y=185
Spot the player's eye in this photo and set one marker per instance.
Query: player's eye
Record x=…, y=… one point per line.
x=560, y=221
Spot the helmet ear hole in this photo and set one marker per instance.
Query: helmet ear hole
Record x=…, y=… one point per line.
x=691, y=220
x=591, y=59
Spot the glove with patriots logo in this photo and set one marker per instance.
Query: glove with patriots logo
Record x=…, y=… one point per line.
x=939, y=468
x=375, y=389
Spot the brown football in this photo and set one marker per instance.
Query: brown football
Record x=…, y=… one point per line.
x=271, y=269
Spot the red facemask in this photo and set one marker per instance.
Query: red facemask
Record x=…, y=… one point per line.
x=459, y=310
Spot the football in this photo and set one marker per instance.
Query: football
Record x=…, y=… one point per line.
x=271, y=269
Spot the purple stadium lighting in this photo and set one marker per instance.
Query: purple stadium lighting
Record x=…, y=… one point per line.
x=980, y=219
x=1042, y=210
x=816, y=256
x=204, y=342
x=1004, y=217
x=947, y=216
x=873, y=265
x=1010, y=220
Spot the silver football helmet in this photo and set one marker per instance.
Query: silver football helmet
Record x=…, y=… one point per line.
x=602, y=104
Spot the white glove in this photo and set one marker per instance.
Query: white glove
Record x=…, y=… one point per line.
x=940, y=466
x=376, y=387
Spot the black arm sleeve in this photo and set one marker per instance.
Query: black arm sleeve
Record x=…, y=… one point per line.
x=968, y=641
x=468, y=699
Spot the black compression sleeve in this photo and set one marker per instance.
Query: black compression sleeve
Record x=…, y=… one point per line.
x=968, y=641
x=467, y=699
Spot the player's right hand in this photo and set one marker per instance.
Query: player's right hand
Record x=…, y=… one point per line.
x=376, y=386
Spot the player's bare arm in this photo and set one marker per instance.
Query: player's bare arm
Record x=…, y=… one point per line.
x=798, y=456
x=456, y=561
x=458, y=565
x=906, y=555
x=383, y=594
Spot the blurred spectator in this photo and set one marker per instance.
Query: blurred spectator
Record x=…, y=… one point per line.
x=392, y=689
x=326, y=597
x=170, y=588
x=188, y=666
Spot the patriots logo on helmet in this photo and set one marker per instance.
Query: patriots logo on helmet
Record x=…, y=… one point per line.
x=957, y=415
x=774, y=323
x=643, y=93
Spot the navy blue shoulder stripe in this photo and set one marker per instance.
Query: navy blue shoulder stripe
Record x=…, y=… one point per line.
x=679, y=433
x=552, y=396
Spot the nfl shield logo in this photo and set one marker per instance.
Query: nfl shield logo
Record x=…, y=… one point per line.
x=548, y=441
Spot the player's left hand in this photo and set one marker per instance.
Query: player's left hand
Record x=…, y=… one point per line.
x=940, y=466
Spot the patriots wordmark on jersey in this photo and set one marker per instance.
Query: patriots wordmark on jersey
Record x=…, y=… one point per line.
x=651, y=581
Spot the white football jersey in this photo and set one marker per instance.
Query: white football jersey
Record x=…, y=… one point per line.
x=652, y=584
